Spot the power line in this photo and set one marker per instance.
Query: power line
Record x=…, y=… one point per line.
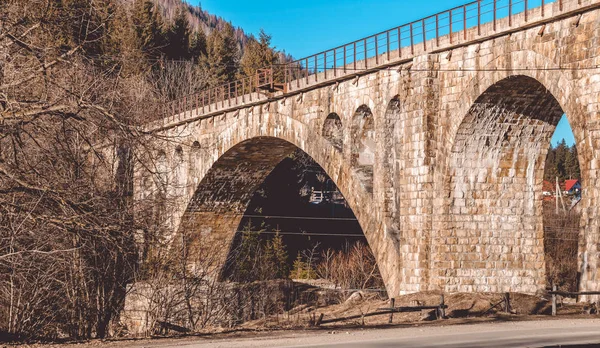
x=298, y=217
x=308, y=234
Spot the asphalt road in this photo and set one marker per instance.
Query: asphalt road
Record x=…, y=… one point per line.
x=546, y=333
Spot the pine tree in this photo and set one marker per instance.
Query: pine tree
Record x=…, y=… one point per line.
x=178, y=36
x=550, y=171
x=221, y=61
x=257, y=54
x=561, y=154
x=198, y=45
x=571, y=163
x=277, y=257
x=149, y=28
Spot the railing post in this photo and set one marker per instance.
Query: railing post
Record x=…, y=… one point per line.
x=376, y=50
x=316, y=69
x=354, y=56
x=229, y=94
x=392, y=305
x=306, y=70
x=478, y=17
x=243, y=90
x=335, y=62
x=424, y=35
x=412, y=44
x=345, y=59
x=560, y=4
x=437, y=31
x=494, y=15
x=465, y=21
x=525, y=1
x=399, y=42
x=450, y=24
x=325, y=64
x=542, y=8
x=388, y=45
x=365, y=45
x=510, y=13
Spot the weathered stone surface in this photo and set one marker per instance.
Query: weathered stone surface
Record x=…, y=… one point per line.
x=441, y=157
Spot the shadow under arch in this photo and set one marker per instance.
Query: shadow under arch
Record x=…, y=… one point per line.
x=214, y=213
x=494, y=237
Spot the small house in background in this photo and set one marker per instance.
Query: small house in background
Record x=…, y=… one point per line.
x=331, y=197
x=572, y=187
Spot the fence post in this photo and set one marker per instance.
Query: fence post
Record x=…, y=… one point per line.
x=392, y=304
x=553, y=299
x=318, y=322
x=507, y=302
x=442, y=310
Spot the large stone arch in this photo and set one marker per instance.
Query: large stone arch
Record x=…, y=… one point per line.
x=555, y=84
x=255, y=141
x=495, y=174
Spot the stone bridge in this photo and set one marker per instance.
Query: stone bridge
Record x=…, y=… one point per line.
x=438, y=146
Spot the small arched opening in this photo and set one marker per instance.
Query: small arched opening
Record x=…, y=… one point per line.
x=363, y=146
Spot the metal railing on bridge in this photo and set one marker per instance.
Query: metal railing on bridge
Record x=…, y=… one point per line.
x=400, y=42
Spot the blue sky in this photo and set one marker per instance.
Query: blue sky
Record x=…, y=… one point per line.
x=305, y=27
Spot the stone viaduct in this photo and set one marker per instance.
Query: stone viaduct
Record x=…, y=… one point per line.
x=438, y=147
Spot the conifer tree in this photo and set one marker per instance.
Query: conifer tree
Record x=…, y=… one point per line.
x=149, y=28
x=198, y=45
x=222, y=59
x=179, y=37
x=257, y=54
x=276, y=255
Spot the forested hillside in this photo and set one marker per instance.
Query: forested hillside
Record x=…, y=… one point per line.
x=562, y=163
x=77, y=78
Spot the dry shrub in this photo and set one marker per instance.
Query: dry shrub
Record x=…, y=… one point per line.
x=354, y=267
x=561, y=236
